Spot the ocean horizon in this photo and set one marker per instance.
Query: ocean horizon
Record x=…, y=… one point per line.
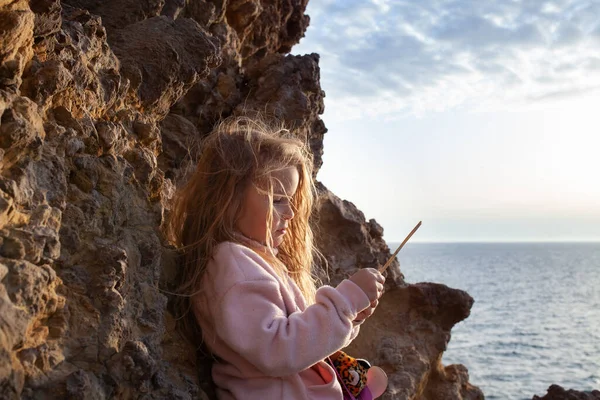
x=536, y=316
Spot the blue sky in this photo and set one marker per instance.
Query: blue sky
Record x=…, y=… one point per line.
x=480, y=118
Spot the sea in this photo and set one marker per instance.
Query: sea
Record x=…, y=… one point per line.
x=536, y=317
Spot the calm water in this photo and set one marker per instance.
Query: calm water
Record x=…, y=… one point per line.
x=536, y=317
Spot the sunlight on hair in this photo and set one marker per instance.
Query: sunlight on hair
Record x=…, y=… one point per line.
x=240, y=152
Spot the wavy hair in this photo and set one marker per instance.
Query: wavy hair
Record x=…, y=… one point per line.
x=240, y=152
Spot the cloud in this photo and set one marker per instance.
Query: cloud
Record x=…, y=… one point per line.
x=409, y=56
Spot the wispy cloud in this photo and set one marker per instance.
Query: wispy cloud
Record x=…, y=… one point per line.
x=394, y=56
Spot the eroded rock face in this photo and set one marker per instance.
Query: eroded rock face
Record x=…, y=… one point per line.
x=410, y=328
x=102, y=103
x=556, y=392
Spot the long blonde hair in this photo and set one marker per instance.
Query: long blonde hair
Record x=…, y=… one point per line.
x=239, y=152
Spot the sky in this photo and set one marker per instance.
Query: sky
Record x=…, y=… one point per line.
x=479, y=118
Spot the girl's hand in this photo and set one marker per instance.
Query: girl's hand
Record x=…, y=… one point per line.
x=370, y=281
x=366, y=313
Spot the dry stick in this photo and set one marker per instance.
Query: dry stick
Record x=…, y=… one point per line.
x=387, y=264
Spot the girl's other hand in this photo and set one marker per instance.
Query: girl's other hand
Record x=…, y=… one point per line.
x=370, y=281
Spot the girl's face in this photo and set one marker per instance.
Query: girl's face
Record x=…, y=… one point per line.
x=255, y=208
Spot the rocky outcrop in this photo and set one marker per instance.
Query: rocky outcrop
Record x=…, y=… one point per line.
x=102, y=105
x=410, y=329
x=556, y=392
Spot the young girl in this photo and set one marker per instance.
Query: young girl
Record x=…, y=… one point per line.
x=242, y=222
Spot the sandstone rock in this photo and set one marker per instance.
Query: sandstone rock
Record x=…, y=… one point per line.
x=47, y=17
x=180, y=143
x=75, y=69
x=117, y=14
x=348, y=241
x=16, y=37
x=266, y=27
x=206, y=13
x=21, y=131
x=163, y=66
x=298, y=102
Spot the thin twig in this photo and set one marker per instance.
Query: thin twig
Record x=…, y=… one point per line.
x=387, y=264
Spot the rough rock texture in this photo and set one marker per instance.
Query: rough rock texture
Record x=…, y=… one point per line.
x=102, y=104
x=556, y=392
x=410, y=329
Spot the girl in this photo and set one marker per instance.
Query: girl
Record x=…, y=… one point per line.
x=242, y=222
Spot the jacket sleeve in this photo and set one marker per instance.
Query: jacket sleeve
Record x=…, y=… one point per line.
x=250, y=317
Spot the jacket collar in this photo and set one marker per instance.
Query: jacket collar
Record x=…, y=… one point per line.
x=245, y=240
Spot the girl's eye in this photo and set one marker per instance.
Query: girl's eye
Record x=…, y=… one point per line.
x=281, y=200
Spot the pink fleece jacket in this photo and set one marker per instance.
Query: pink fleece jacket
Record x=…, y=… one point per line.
x=268, y=343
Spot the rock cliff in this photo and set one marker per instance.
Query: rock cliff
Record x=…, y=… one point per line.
x=102, y=104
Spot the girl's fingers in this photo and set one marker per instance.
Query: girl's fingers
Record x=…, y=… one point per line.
x=379, y=291
x=366, y=313
x=378, y=276
x=375, y=297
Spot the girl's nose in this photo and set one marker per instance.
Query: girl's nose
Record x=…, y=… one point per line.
x=288, y=213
